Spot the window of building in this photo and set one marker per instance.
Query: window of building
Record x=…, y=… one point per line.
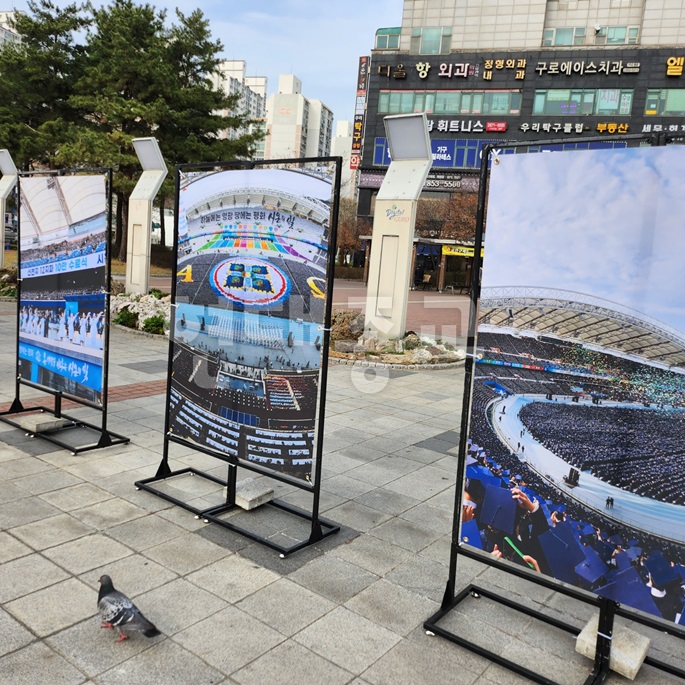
x=575, y=102
x=429, y=40
x=665, y=102
x=388, y=39
x=564, y=36
x=500, y=102
x=617, y=35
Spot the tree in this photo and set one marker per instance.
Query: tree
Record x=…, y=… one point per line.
x=350, y=229
x=452, y=218
x=36, y=82
x=66, y=104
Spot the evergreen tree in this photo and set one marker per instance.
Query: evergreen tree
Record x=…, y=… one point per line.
x=36, y=81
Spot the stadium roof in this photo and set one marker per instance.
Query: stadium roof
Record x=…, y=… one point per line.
x=585, y=319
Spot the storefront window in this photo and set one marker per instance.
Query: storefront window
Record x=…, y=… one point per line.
x=665, y=102
x=567, y=102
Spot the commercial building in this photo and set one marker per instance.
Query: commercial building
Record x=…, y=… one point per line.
x=7, y=32
x=489, y=71
x=295, y=125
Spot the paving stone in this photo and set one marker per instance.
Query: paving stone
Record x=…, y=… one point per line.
x=86, y=553
x=76, y=496
x=420, y=664
x=134, y=574
x=232, y=578
x=109, y=513
x=423, y=576
x=11, y=548
x=345, y=487
x=405, y=534
x=186, y=553
x=358, y=516
x=333, y=578
x=37, y=663
x=165, y=662
x=286, y=606
x=392, y=607
x=26, y=466
x=102, y=652
x=47, y=481
x=10, y=492
x=291, y=664
x=145, y=532
x=387, y=501
x=376, y=556
x=54, y=608
x=27, y=574
x=250, y=639
x=423, y=483
x=26, y=510
x=51, y=531
x=348, y=640
x=12, y=634
x=177, y=605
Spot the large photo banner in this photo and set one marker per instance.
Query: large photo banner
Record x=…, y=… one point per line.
x=63, y=269
x=576, y=451
x=250, y=293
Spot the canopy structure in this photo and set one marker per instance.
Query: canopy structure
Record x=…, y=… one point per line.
x=585, y=319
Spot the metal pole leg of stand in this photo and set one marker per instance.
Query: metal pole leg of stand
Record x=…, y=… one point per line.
x=231, y=483
x=605, y=632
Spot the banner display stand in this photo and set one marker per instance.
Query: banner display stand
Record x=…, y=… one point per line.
x=250, y=328
x=63, y=292
x=468, y=541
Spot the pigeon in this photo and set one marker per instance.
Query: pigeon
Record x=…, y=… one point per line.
x=118, y=610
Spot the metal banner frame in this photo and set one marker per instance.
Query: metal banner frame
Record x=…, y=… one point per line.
x=106, y=437
x=608, y=608
x=320, y=527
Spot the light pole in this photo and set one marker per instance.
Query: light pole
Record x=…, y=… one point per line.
x=7, y=183
x=140, y=215
x=393, y=225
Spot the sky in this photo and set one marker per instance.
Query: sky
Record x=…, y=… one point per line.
x=607, y=223
x=319, y=41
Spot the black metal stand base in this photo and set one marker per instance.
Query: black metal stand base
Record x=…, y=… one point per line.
x=601, y=666
x=321, y=528
x=106, y=438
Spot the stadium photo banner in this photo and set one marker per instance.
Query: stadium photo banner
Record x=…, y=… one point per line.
x=249, y=320
x=63, y=229
x=571, y=456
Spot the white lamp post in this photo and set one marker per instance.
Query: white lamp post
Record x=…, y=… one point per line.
x=140, y=214
x=7, y=183
x=393, y=225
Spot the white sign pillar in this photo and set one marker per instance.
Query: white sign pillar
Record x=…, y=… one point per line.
x=7, y=183
x=140, y=215
x=393, y=226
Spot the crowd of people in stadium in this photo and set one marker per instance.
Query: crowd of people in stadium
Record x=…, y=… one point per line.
x=520, y=516
x=66, y=249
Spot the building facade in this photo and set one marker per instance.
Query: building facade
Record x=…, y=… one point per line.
x=230, y=77
x=501, y=71
x=295, y=125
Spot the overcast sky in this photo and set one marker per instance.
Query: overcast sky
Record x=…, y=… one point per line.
x=604, y=223
x=320, y=41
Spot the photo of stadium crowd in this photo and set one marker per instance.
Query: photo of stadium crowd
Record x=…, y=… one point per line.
x=63, y=267
x=575, y=464
x=248, y=325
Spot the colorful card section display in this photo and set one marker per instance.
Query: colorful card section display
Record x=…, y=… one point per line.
x=250, y=294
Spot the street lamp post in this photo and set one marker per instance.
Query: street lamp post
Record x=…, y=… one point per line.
x=7, y=183
x=393, y=225
x=140, y=215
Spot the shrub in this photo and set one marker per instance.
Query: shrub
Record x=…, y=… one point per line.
x=154, y=324
x=156, y=292
x=126, y=318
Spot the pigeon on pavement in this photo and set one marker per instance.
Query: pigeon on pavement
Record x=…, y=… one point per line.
x=117, y=610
